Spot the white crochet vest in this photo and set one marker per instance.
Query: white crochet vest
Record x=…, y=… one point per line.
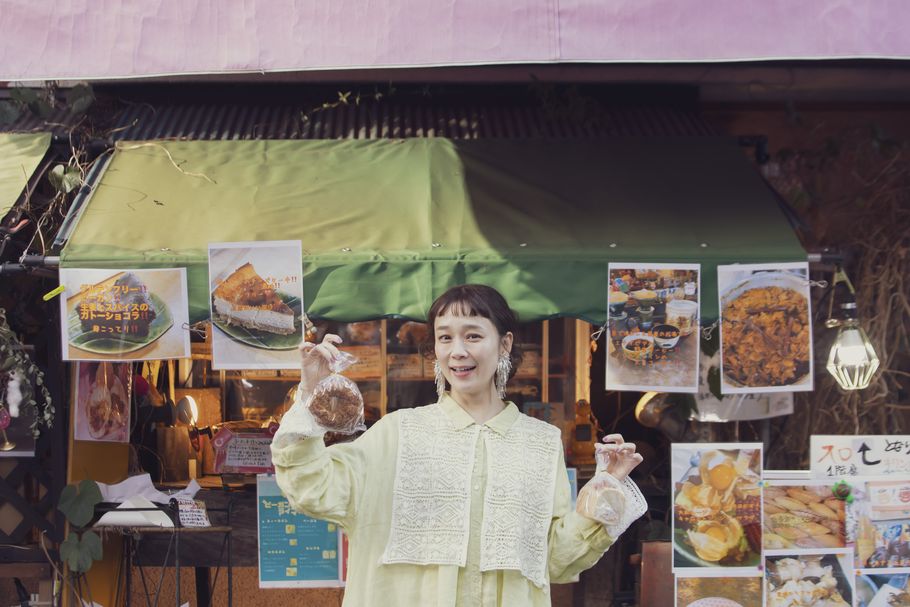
x=431, y=502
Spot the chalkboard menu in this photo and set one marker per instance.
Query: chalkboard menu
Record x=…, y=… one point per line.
x=295, y=551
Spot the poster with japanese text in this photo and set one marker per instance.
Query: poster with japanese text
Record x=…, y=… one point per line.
x=653, y=327
x=295, y=551
x=819, y=578
x=765, y=328
x=102, y=411
x=716, y=522
x=843, y=456
x=718, y=589
x=122, y=315
x=256, y=303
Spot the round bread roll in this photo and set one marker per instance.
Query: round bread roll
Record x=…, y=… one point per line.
x=337, y=406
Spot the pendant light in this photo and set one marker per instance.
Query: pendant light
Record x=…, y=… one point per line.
x=852, y=360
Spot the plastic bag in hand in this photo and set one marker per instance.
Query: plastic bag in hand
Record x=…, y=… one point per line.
x=336, y=403
x=602, y=498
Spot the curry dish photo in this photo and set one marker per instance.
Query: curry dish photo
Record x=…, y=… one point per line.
x=766, y=337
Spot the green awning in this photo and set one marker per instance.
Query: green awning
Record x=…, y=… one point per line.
x=20, y=155
x=386, y=225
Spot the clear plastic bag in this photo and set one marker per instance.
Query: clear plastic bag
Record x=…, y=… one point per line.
x=602, y=498
x=336, y=403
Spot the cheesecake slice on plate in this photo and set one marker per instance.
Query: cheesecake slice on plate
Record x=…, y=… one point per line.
x=244, y=298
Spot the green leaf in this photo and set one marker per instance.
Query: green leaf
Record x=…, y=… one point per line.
x=9, y=112
x=64, y=178
x=77, y=503
x=80, y=553
x=80, y=98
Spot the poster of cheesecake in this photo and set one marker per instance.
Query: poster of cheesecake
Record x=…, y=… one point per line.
x=123, y=315
x=653, y=327
x=765, y=328
x=256, y=299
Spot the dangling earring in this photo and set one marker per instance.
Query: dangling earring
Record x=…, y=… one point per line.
x=440, y=380
x=503, y=368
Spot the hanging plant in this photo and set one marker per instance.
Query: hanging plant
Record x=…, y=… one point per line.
x=22, y=388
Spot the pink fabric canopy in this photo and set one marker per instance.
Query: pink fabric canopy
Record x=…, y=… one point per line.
x=79, y=39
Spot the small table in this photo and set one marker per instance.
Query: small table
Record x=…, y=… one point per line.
x=133, y=536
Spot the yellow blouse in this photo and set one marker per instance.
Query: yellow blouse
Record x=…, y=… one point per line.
x=351, y=484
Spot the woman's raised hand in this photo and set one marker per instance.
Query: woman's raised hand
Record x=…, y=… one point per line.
x=315, y=361
x=620, y=456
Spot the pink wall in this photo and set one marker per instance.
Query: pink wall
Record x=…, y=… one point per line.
x=94, y=39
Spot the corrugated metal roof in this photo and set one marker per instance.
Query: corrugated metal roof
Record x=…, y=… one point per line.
x=58, y=123
x=392, y=120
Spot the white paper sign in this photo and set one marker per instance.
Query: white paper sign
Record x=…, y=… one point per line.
x=835, y=456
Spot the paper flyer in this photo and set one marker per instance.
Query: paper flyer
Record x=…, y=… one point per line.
x=765, y=328
x=256, y=304
x=295, y=551
x=653, y=321
x=123, y=315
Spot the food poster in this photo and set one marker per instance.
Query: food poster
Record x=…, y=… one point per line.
x=765, y=328
x=653, y=323
x=124, y=314
x=882, y=589
x=879, y=523
x=103, y=391
x=804, y=515
x=820, y=578
x=717, y=506
x=718, y=590
x=256, y=304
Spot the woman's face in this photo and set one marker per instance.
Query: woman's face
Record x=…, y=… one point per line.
x=468, y=349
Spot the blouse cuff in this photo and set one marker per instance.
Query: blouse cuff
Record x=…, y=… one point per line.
x=636, y=506
x=295, y=452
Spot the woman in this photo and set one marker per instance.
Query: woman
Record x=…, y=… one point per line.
x=463, y=502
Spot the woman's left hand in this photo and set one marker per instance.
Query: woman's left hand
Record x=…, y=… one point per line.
x=620, y=455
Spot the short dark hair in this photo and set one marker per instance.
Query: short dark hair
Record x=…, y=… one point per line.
x=475, y=300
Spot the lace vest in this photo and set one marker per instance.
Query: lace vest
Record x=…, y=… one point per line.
x=431, y=501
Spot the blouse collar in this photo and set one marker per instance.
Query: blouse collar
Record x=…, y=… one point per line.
x=461, y=419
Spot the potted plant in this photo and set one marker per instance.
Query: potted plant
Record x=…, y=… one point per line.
x=82, y=546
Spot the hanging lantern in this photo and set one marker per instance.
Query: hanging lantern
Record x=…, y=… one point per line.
x=852, y=360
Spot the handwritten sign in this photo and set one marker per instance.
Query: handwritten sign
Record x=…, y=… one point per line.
x=192, y=513
x=244, y=452
x=835, y=456
x=295, y=551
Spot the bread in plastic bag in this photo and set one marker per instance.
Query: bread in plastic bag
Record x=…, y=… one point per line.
x=602, y=498
x=336, y=403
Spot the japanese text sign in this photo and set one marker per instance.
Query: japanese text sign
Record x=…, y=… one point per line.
x=833, y=456
x=294, y=549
